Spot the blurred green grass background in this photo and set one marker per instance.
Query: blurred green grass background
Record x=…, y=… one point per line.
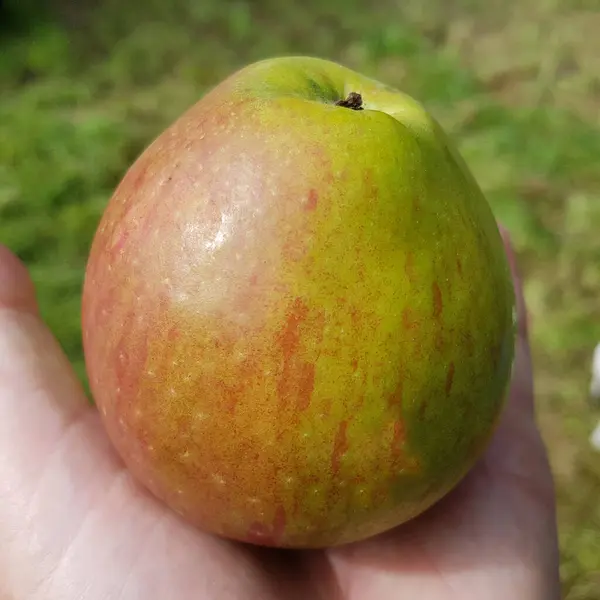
x=85, y=87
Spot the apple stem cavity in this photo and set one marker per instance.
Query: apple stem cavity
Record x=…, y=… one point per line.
x=353, y=101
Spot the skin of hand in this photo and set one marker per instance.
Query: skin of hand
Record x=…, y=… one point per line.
x=73, y=524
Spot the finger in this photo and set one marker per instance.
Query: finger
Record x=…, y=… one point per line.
x=49, y=436
x=38, y=388
x=522, y=392
x=522, y=316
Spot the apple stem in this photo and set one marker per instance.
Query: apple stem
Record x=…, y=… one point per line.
x=353, y=101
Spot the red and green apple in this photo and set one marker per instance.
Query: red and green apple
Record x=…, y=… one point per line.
x=297, y=311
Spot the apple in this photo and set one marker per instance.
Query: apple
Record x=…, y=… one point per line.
x=297, y=311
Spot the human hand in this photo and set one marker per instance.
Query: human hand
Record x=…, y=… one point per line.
x=73, y=524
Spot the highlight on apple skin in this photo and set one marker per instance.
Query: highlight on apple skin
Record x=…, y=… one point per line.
x=297, y=311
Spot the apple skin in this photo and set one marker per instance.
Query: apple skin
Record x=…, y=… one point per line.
x=298, y=317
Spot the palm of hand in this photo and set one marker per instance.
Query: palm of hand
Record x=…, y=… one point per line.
x=73, y=523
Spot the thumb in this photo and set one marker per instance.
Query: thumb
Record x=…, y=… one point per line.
x=40, y=395
x=54, y=458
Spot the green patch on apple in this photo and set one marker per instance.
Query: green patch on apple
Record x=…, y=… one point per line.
x=297, y=312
